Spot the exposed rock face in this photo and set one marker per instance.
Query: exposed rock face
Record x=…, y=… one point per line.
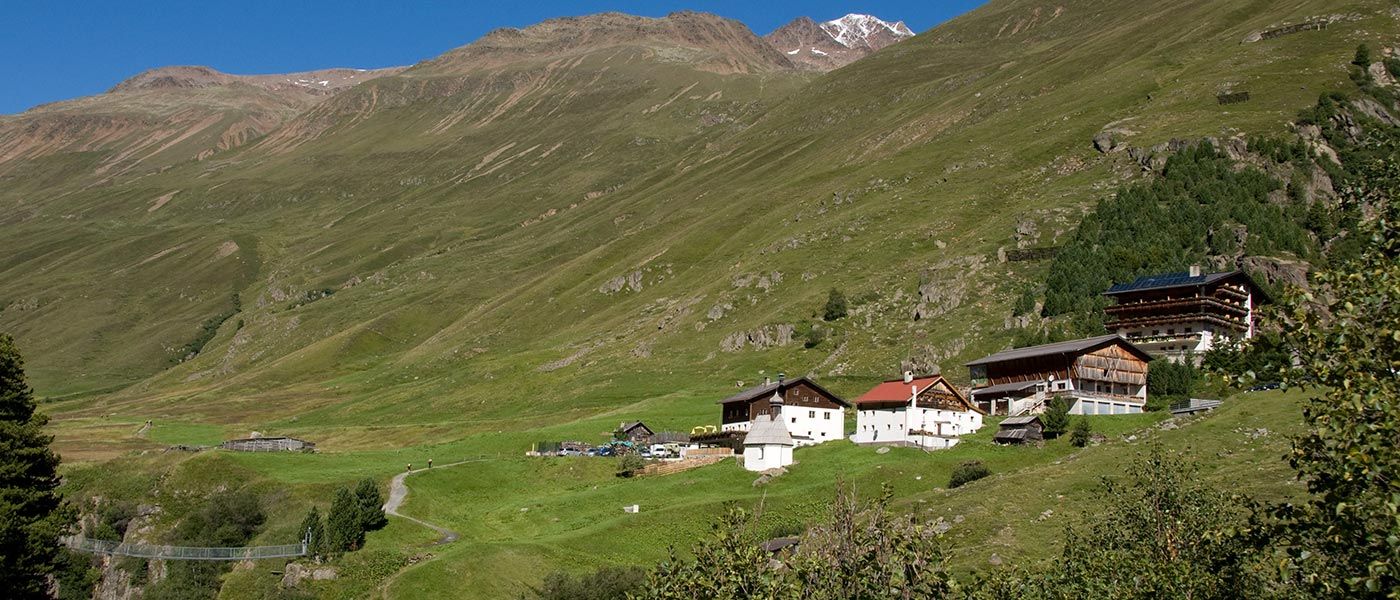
x=768, y=336
x=1278, y=271
x=837, y=43
x=297, y=572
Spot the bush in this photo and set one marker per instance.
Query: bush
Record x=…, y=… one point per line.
x=628, y=464
x=1079, y=436
x=1363, y=56
x=835, y=306
x=607, y=583
x=968, y=471
x=1056, y=416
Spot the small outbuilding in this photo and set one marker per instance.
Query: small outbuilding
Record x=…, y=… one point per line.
x=768, y=444
x=1020, y=430
x=269, y=444
x=636, y=432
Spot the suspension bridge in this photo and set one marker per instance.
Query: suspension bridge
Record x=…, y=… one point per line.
x=90, y=546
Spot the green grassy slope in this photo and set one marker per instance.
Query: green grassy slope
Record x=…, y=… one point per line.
x=590, y=228
x=543, y=247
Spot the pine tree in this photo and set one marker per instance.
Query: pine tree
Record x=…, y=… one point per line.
x=371, y=506
x=1363, y=56
x=32, y=512
x=835, y=306
x=314, y=528
x=345, y=530
x=1056, y=417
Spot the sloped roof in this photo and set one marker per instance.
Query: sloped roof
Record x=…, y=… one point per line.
x=895, y=390
x=1002, y=388
x=1182, y=279
x=759, y=391
x=769, y=431
x=1010, y=434
x=1069, y=347
x=626, y=427
x=1017, y=421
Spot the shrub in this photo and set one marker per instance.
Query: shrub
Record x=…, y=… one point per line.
x=1080, y=434
x=607, y=583
x=835, y=306
x=968, y=471
x=628, y=464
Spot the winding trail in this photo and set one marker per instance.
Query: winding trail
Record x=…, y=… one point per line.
x=398, y=492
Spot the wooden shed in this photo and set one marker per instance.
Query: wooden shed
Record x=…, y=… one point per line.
x=269, y=444
x=1020, y=430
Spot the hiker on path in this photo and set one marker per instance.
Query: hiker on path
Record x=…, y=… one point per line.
x=430, y=463
x=410, y=467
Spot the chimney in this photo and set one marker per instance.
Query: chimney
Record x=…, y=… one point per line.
x=1195, y=270
x=908, y=377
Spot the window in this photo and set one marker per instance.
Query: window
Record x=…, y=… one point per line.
x=794, y=419
x=811, y=414
x=826, y=415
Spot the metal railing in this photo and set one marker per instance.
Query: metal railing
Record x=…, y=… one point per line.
x=83, y=544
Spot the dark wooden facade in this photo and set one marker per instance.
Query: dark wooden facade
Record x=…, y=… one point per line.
x=1107, y=365
x=750, y=404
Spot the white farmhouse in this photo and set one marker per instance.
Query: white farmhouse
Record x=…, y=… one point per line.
x=810, y=413
x=927, y=412
x=768, y=444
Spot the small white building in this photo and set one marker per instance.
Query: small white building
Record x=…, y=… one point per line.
x=927, y=412
x=768, y=445
x=811, y=414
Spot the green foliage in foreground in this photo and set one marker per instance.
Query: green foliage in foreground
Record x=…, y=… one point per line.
x=1167, y=536
x=862, y=551
x=1345, y=541
x=32, y=512
x=607, y=583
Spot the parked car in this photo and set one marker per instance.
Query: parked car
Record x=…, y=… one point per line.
x=570, y=453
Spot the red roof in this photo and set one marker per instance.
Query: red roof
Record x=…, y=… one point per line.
x=895, y=391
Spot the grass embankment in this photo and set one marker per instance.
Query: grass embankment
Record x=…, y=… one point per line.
x=521, y=517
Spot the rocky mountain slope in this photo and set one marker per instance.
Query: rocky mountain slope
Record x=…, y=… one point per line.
x=604, y=211
x=161, y=117
x=836, y=43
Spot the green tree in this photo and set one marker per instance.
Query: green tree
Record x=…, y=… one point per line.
x=370, y=505
x=1056, y=416
x=32, y=512
x=314, y=528
x=1363, y=56
x=345, y=530
x=607, y=583
x=1081, y=433
x=1344, y=542
x=835, y=306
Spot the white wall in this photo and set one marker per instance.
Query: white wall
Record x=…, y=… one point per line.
x=763, y=458
x=894, y=424
x=820, y=424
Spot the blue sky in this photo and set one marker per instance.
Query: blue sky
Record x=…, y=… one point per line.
x=59, y=49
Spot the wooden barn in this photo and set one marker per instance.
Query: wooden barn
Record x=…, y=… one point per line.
x=1020, y=430
x=636, y=432
x=1105, y=375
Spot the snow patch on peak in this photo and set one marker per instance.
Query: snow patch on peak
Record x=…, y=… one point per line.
x=855, y=29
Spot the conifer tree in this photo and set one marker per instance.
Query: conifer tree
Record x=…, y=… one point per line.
x=314, y=528
x=835, y=306
x=344, y=524
x=32, y=512
x=1056, y=417
x=371, y=506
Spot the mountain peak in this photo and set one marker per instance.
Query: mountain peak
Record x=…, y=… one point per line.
x=857, y=30
x=835, y=43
